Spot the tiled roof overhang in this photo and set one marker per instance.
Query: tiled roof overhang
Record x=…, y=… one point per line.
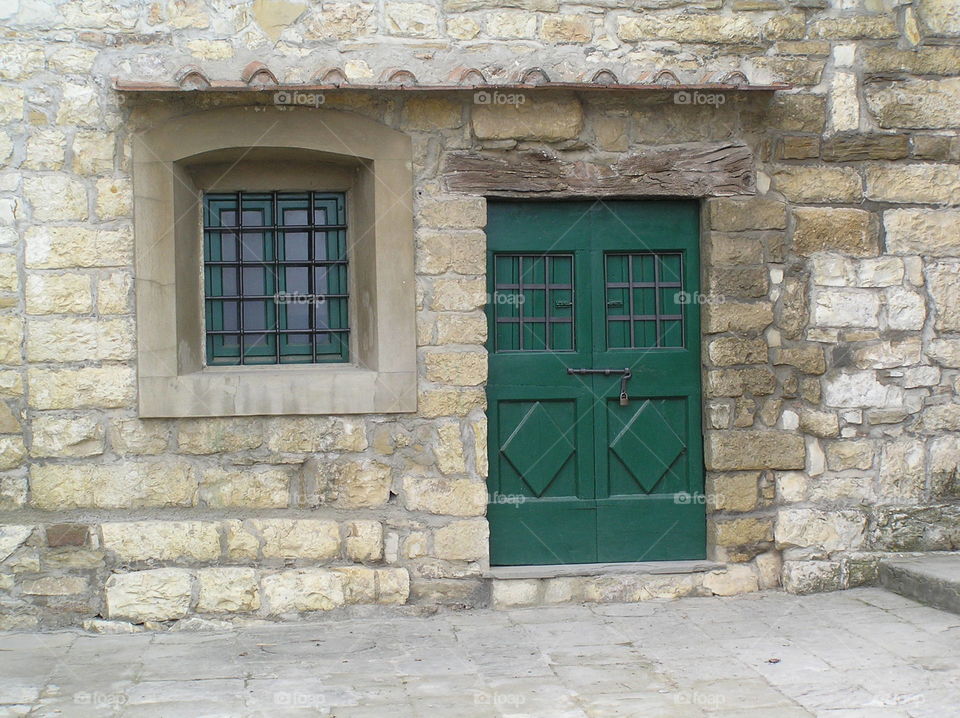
x=256, y=77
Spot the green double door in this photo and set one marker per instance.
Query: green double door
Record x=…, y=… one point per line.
x=578, y=472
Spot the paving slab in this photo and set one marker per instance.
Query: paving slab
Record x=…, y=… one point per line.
x=859, y=653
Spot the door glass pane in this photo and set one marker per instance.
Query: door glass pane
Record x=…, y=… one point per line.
x=533, y=302
x=643, y=309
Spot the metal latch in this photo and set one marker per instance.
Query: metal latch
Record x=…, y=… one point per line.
x=625, y=375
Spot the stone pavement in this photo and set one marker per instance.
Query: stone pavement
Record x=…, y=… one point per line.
x=863, y=652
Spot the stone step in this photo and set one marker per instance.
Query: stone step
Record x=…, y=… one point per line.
x=932, y=579
x=526, y=586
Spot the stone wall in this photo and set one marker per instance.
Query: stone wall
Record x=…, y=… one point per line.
x=832, y=322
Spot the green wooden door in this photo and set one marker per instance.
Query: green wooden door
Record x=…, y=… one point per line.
x=576, y=476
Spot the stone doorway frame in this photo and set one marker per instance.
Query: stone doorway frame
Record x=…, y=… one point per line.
x=721, y=175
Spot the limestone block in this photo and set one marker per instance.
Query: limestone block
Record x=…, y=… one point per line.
x=544, y=119
x=855, y=27
x=880, y=272
x=12, y=537
x=224, y=589
x=309, y=589
x=734, y=580
x=112, y=486
x=462, y=541
x=462, y=28
x=115, y=293
x=818, y=184
x=461, y=328
x=902, y=475
x=218, y=435
x=808, y=359
x=411, y=19
x=735, y=491
x=515, y=593
x=342, y=21
x=759, y=381
x=66, y=436
x=860, y=389
x=453, y=213
x=446, y=251
x=246, y=487
x=299, y=538
x=104, y=387
x=458, y=295
x=745, y=450
x=56, y=197
x=450, y=402
x=57, y=586
x=241, y=542
x=738, y=28
x=566, y=28
x=737, y=215
x=801, y=577
x=162, y=540
x=11, y=104
x=845, y=230
x=9, y=275
x=888, y=354
x=58, y=293
x=736, y=316
x=512, y=25
x=740, y=532
x=114, y=198
x=449, y=449
x=361, y=484
x=915, y=103
x=456, y=368
x=93, y=152
x=364, y=541
x=135, y=436
x=925, y=183
x=928, y=232
x=945, y=290
x=160, y=594
x=45, y=150
x=311, y=434
x=853, y=454
x=820, y=530
x=846, y=308
x=393, y=586
x=728, y=351
x=940, y=17
x=80, y=339
x=54, y=247
x=11, y=340
x=359, y=584
x=822, y=424
x=459, y=497
x=72, y=60
x=432, y=113
x=844, y=102
x=906, y=309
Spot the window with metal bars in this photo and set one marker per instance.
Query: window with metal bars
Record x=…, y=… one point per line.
x=275, y=277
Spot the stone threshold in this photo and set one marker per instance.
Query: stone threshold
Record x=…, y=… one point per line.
x=602, y=569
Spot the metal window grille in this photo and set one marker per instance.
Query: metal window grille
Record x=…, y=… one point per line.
x=275, y=277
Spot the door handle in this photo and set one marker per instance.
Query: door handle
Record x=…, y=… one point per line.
x=625, y=375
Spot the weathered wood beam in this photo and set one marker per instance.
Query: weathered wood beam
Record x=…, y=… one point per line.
x=696, y=169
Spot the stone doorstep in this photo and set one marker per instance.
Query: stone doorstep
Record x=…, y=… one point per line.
x=529, y=586
x=601, y=569
x=932, y=579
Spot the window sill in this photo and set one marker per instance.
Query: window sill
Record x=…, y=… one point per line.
x=271, y=390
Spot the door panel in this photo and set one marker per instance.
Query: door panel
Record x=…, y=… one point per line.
x=574, y=475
